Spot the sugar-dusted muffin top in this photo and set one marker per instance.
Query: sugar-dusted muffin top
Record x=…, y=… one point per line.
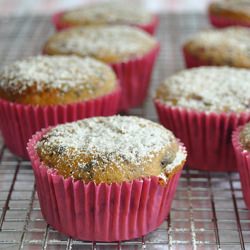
x=111, y=149
x=229, y=46
x=110, y=44
x=239, y=9
x=45, y=80
x=106, y=13
x=218, y=89
x=245, y=137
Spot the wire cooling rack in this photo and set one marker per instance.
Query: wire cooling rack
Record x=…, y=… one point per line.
x=208, y=211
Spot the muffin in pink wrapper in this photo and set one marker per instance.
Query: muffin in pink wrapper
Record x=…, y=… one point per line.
x=202, y=106
x=106, y=178
x=241, y=143
x=42, y=91
x=221, y=47
x=229, y=13
x=106, y=14
x=131, y=53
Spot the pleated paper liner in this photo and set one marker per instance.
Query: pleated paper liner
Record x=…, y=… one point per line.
x=19, y=122
x=134, y=76
x=222, y=22
x=243, y=165
x=207, y=136
x=101, y=212
x=149, y=27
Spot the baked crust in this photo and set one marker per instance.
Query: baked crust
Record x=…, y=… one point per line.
x=105, y=13
x=55, y=80
x=111, y=44
x=227, y=46
x=207, y=89
x=112, y=150
x=238, y=10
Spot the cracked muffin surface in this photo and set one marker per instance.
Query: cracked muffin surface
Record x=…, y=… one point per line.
x=51, y=80
x=111, y=149
x=208, y=89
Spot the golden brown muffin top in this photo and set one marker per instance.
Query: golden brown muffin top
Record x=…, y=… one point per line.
x=245, y=136
x=211, y=89
x=106, y=13
x=235, y=37
x=229, y=46
x=60, y=75
x=111, y=149
x=242, y=6
x=110, y=44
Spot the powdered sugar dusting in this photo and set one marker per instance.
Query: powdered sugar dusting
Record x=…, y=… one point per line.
x=219, y=89
x=57, y=72
x=108, y=12
x=111, y=43
x=116, y=139
x=236, y=38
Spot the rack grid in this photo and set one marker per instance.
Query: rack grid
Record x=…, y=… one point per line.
x=208, y=211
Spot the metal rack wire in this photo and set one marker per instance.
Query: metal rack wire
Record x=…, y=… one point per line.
x=208, y=211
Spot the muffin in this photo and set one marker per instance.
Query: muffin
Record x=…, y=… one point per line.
x=229, y=12
x=130, y=51
x=97, y=178
x=42, y=91
x=229, y=46
x=107, y=13
x=202, y=106
x=241, y=144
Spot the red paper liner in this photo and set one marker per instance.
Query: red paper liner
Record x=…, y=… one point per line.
x=192, y=61
x=134, y=77
x=243, y=165
x=149, y=27
x=103, y=212
x=207, y=136
x=222, y=22
x=19, y=122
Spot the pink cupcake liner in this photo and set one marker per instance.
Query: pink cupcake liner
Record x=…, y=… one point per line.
x=19, y=122
x=103, y=212
x=243, y=165
x=207, y=136
x=149, y=27
x=192, y=61
x=222, y=22
x=134, y=77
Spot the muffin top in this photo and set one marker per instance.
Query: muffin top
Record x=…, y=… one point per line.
x=45, y=80
x=110, y=44
x=106, y=13
x=245, y=137
x=241, y=6
x=111, y=149
x=212, y=89
x=229, y=46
